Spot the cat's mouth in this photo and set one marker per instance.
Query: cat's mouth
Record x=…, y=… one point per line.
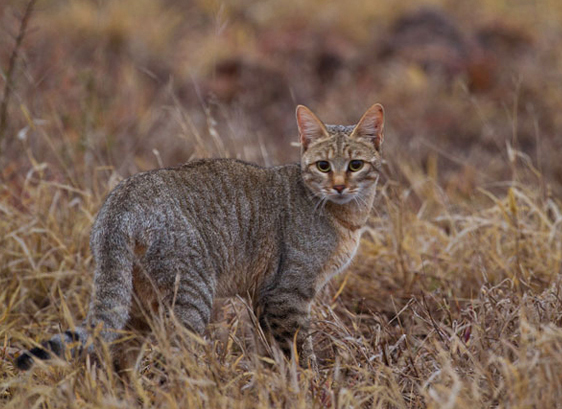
x=341, y=198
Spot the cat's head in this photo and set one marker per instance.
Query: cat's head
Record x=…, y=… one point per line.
x=341, y=163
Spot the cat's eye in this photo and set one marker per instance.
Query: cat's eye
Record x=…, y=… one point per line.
x=323, y=166
x=355, y=165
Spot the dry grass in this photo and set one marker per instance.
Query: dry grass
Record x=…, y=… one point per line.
x=454, y=300
x=458, y=309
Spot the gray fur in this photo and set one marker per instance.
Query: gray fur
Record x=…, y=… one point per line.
x=180, y=237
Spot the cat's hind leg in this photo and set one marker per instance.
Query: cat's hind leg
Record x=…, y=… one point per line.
x=284, y=315
x=192, y=301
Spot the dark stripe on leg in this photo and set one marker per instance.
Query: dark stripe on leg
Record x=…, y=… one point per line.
x=198, y=293
x=187, y=306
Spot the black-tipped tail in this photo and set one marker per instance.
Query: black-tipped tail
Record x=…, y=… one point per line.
x=25, y=360
x=55, y=346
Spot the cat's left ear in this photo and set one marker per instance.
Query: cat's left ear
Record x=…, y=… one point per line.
x=371, y=126
x=310, y=127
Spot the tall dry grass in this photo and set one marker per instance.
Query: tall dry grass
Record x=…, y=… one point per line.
x=446, y=306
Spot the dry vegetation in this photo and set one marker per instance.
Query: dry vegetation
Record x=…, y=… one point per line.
x=454, y=300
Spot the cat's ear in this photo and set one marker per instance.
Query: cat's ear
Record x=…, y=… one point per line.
x=310, y=127
x=371, y=126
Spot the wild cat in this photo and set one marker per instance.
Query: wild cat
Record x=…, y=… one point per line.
x=181, y=237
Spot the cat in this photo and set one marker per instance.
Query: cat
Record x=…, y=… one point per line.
x=181, y=237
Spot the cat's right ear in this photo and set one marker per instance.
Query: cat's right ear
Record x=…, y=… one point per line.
x=310, y=127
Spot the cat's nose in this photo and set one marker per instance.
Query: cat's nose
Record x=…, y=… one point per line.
x=339, y=188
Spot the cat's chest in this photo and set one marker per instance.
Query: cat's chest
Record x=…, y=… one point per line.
x=340, y=259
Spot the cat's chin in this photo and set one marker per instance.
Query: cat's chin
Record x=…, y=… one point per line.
x=341, y=200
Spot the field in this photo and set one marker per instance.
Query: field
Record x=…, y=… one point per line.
x=454, y=299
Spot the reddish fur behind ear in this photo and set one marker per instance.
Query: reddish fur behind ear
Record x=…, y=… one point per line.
x=310, y=127
x=371, y=126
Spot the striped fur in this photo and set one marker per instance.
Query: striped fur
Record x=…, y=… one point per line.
x=181, y=237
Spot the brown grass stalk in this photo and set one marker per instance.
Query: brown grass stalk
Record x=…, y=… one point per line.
x=9, y=77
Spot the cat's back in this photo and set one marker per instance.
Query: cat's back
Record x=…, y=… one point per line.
x=215, y=193
x=199, y=179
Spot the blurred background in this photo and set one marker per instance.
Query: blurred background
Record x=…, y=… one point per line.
x=470, y=88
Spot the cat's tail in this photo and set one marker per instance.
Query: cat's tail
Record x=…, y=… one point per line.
x=110, y=306
x=57, y=346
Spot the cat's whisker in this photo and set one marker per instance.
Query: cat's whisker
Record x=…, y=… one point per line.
x=360, y=199
x=324, y=205
x=317, y=206
x=320, y=205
